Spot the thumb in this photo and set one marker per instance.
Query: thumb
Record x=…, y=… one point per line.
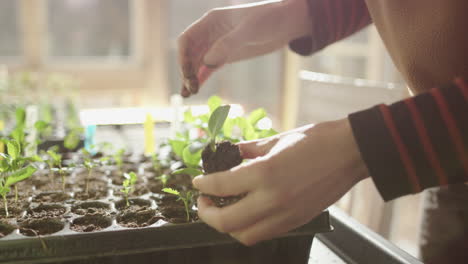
x=256, y=148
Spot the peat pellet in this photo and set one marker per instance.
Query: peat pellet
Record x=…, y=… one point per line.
x=134, y=203
x=51, y=197
x=46, y=210
x=6, y=229
x=138, y=218
x=92, y=207
x=46, y=226
x=90, y=223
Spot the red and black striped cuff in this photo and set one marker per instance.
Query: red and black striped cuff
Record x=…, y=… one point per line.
x=416, y=143
x=332, y=20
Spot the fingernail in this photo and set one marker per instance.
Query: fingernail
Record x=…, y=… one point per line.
x=187, y=84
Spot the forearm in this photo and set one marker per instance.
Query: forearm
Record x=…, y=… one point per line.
x=416, y=143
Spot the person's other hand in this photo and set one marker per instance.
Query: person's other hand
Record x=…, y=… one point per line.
x=225, y=35
x=291, y=178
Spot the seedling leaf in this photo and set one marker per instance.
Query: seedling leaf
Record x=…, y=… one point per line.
x=217, y=119
x=191, y=156
x=20, y=175
x=178, y=146
x=171, y=191
x=13, y=149
x=256, y=115
x=214, y=102
x=41, y=126
x=189, y=171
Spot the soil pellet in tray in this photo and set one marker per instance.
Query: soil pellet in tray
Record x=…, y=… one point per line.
x=47, y=210
x=51, y=197
x=93, y=207
x=91, y=195
x=13, y=211
x=5, y=229
x=90, y=223
x=227, y=156
x=34, y=227
x=134, y=203
x=138, y=218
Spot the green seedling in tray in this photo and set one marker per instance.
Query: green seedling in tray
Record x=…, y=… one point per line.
x=13, y=169
x=163, y=178
x=89, y=164
x=128, y=185
x=56, y=162
x=185, y=197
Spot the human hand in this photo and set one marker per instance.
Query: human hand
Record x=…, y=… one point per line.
x=291, y=178
x=225, y=35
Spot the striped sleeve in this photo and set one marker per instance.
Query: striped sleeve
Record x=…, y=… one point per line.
x=416, y=143
x=331, y=20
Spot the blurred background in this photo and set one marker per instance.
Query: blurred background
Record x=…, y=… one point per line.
x=122, y=54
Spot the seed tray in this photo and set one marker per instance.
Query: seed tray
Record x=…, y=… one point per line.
x=113, y=238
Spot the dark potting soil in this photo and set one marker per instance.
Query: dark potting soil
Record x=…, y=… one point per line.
x=51, y=197
x=226, y=156
x=90, y=223
x=14, y=210
x=176, y=214
x=46, y=210
x=92, y=207
x=93, y=194
x=44, y=226
x=135, y=204
x=138, y=217
x=6, y=228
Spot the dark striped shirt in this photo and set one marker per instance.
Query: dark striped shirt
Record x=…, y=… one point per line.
x=413, y=144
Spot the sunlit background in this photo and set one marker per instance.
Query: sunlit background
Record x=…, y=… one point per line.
x=120, y=59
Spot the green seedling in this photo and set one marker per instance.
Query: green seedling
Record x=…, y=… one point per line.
x=56, y=162
x=215, y=124
x=89, y=164
x=185, y=197
x=128, y=185
x=188, y=171
x=73, y=137
x=164, y=178
x=118, y=158
x=13, y=169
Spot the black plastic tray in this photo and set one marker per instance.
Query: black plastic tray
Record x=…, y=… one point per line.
x=68, y=245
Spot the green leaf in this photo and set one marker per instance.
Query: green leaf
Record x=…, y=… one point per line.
x=72, y=139
x=171, y=191
x=4, y=190
x=20, y=175
x=248, y=130
x=214, y=102
x=131, y=177
x=191, y=157
x=256, y=115
x=13, y=149
x=189, y=171
x=178, y=146
x=217, y=119
x=41, y=126
x=267, y=133
x=229, y=126
x=20, y=115
x=57, y=158
x=188, y=116
x=18, y=134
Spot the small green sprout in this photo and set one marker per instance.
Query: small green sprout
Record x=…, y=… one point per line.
x=118, y=158
x=216, y=122
x=13, y=170
x=128, y=185
x=89, y=164
x=56, y=162
x=163, y=178
x=188, y=171
x=185, y=197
